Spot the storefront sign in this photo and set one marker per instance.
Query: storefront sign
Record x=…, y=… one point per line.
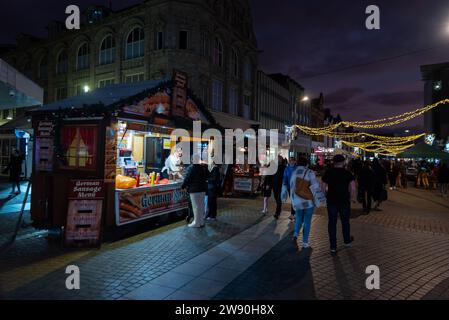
x=86, y=189
x=45, y=129
x=133, y=205
x=179, y=96
x=243, y=184
x=110, y=157
x=83, y=226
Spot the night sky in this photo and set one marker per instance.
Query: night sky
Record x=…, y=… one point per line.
x=305, y=38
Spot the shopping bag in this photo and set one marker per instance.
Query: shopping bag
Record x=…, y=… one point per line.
x=319, y=196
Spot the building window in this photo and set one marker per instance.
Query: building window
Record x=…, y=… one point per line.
x=105, y=83
x=78, y=90
x=217, y=95
x=248, y=72
x=135, y=44
x=79, y=146
x=183, y=40
x=159, y=41
x=61, y=93
x=204, y=45
x=82, y=60
x=205, y=94
x=43, y=68
x=62, y=63
x=234, y=64
x=218, y=52
x=247, y=106
x=134, y=78
x=107, y=50
x=233, y=101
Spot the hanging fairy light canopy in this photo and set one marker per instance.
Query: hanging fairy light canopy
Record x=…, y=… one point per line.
x=382, y=145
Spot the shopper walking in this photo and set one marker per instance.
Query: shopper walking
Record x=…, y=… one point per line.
x=379, y=185
x=443, y=179
x=277, y=186
x=195, y=182
x=366, y=186
x=213, y=190
x=340, y=187
x=267, y=188
x=289, y=170
x=15, y=170
x=304, y=207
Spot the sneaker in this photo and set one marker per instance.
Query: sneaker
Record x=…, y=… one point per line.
x=333, y=251
x=349, y=244
x=194, y=225
x=211, y=219
x=292, y=217
x=276, y=216
x=306, y=245
x=264, y=212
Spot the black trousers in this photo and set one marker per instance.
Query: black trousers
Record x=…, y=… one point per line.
x=334, y=210
x=366, y=199
x=277, y=198
x=212, y=204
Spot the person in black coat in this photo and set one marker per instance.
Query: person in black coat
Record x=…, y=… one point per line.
x=213, y=190
x=366, y=186
x=195, y=182
x=267, y=188
x=443, y=179
x=15, y=170
x=379, y=185
x=277, y=185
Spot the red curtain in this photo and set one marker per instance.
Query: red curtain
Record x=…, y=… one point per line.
x=88, y=135
x=68, y=134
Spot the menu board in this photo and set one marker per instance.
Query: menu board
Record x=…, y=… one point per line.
x=110, y=157
x=44, y=146
x=138, y=204
x=243, y=184
x=83, y=226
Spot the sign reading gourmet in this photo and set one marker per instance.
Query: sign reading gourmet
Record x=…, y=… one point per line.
x=141, y=204
x=45, y=129
x=83, y=227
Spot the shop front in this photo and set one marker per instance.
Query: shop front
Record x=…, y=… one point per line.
x=127, y=145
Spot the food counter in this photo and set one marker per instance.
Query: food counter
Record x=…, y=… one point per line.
x=149, y=201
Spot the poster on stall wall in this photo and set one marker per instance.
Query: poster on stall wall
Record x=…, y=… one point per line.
x=110, y=158
x=44, y=146
x=137, y=205
x=83, y=226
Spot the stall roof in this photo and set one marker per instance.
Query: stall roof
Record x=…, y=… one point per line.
x=423, y=150
x=107, y=95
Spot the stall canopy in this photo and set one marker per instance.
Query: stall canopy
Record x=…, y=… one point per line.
x=424, y=151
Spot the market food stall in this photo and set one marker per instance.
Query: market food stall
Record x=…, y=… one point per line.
x=121, y=136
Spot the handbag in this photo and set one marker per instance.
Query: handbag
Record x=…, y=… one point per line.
x=302, y=188
x=319, y=196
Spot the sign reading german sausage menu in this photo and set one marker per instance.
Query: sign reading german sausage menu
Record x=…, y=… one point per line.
x=83, y=226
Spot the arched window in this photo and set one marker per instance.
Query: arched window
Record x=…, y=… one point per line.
x=135, y=44
x=61, y=64
x=82, y=58
x=43, y=68
x=218, y=52
x=107, y=50
x=234, y=63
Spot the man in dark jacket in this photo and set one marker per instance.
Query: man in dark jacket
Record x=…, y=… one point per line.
x=277, y=186
x=15, y=170
x=213, y=190
x=195, y=182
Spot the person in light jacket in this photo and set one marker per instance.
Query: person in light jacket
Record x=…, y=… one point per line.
x=304, y=208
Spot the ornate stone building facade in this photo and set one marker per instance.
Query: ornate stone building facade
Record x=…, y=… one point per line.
x=211, y=40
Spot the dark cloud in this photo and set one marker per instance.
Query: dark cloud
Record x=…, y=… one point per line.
x=399, y=98
x=343, y=95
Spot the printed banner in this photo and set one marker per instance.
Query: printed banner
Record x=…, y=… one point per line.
x=146, y=203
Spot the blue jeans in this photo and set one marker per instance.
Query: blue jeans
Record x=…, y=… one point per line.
x=303, y=216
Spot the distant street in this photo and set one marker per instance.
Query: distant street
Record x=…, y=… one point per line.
x=246, y=256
